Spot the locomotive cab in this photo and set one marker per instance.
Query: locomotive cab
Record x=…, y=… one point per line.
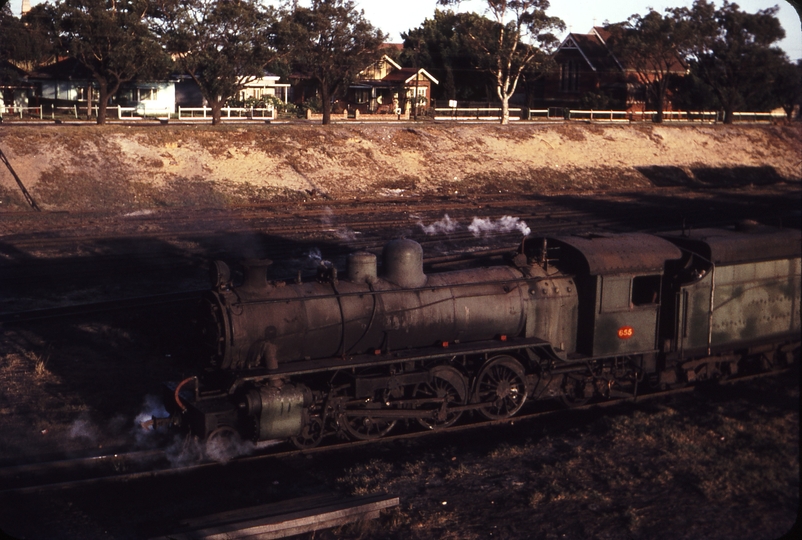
x=619, y=280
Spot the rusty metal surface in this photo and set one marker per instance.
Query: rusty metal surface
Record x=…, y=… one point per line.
x=727, y=246
x=608, y=254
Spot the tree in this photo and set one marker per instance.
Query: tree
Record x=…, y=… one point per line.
x=111, y=38
x=329, y=42
x=29, y=41
x=441, y=47
x=732, y=51
x=651, y=47
x=521, y=36
x=222, y=44
x=787, y=88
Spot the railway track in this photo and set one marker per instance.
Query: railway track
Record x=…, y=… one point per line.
x=124, y=467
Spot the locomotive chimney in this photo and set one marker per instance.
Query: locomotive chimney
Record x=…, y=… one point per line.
x=255, y=273
x=402, y=261
x=361, y=267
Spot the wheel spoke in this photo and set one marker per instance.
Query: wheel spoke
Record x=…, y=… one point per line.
x=448, y=384
x=501, y=384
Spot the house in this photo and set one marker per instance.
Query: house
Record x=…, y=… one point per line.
x=14, y=89
x=69, y=83
x=263, y=87
x=386, y=87
x=589, y=74
x=65, y=83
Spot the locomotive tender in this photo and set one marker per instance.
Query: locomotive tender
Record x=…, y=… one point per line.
x=574, y=317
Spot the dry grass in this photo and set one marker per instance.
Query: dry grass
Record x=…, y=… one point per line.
x=40, y=362
x=721, y=464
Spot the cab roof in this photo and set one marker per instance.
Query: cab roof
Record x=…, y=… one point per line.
x=604, y=254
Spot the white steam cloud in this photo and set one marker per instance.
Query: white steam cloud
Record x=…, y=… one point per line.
x=483, y=227
x=342, y=232
x=478, y=227
x=83, y=428
x=444, y=226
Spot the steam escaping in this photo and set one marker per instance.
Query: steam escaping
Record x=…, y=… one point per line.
x=313, y=258
x=343, y=233
x=483, y=227
x=83, y=428
x=225, y=448
x=478, y=227
x=444, y=226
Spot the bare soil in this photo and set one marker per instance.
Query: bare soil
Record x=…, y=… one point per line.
x=133, y=167
x=717, y=464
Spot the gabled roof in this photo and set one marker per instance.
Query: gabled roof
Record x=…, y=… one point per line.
x=407, y=75
x=593, y=49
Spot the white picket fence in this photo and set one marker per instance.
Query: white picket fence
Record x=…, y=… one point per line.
x=239, y=113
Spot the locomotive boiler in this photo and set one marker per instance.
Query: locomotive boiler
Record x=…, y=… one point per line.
x=574, y=317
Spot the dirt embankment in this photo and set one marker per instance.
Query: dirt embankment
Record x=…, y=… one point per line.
x=123, y=167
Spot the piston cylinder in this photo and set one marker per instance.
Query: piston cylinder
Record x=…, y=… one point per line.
x=278, y=411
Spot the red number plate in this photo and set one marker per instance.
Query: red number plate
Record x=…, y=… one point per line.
x=625, y=332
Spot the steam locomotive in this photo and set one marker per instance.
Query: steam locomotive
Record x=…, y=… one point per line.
x=568, y=317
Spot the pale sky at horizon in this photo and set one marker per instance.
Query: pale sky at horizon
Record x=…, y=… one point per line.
x=579, y=15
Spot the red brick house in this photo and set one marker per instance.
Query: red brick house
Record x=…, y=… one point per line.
x=386, y=87
x=588, y=72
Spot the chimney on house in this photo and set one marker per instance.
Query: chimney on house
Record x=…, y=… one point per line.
x=26, y=7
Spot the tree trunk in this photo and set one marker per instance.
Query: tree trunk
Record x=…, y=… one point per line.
x=102, y=102
x=658, y=118
x=659, y=89
x=505, y=110
x=728, y=114
x=217, y=111
x=325, y=104
x=89, y=101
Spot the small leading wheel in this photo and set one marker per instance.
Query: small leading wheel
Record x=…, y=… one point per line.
x=501, y=385
x=311, y=434
x=224, y=444
x=448, y=386
x=572, y=390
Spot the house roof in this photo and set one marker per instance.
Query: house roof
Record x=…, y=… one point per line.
x=11, y=76
x=595, y=49
x=407, y=75
x=68, y=69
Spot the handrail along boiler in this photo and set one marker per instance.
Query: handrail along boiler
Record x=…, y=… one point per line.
x=574, y=317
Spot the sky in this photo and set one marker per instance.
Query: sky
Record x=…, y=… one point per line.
x=394, y=17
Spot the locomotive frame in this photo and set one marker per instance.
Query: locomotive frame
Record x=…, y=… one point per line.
x=576, y=317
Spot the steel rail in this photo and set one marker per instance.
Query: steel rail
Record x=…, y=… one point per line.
x=156, y=455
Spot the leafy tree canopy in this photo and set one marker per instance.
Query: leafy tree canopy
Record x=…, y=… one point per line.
x=330, y=43
x=222, y=44
x=111, y=38
x=441, y=47
x=732, y=53
x=651, y=47
x=522, y=35
x=29, y=41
